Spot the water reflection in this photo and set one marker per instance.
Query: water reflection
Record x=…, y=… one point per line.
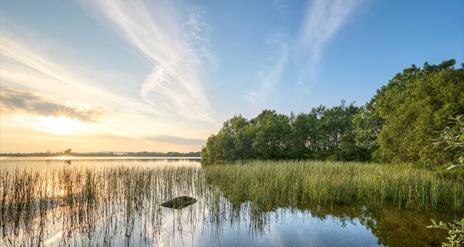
x=118, y=202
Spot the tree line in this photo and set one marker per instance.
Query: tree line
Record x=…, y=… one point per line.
x=106, y=154
x=403, y=122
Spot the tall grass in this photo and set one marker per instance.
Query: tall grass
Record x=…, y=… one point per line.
x=271, y=184
x=98, y=206
x=85, y=202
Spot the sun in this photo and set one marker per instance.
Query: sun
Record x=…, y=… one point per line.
x=59, y=125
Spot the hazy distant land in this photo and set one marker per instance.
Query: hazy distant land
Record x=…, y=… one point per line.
x=104, y=154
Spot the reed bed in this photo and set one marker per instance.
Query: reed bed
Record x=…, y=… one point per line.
x=271, y=184
x=85, y=202
x=101, y=206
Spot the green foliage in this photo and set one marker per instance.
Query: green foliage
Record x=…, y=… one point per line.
x=452, y=140
x=455, y=232
x=323, y=133
x=271, y=132
x=404, y=118
x=336, y=135
x=401, y=123
x=234, y=141
x=367, y=126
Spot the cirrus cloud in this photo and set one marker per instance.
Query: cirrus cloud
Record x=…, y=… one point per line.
x=177, y=140
x=323, y=19
x=175, y=48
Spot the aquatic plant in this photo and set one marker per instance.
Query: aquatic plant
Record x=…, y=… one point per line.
x=83, y=201
x=270, y=184
x=102, y=205
x=455, y=232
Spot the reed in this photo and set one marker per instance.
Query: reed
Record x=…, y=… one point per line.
x=271, y=184
x=98, y=206
x=80, y=201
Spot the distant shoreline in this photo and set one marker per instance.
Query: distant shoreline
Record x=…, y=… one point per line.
x=83, y=158
x=107, y=154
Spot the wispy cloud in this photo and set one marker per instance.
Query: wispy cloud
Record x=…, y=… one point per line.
x=280, y=4
x=269, y=78
x=177, y=140
x=173, y=45
x=23, y=64
x=22, y=101
x=13, y=50
x=322, y=20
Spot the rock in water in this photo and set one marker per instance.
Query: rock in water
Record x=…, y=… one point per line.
x=179, y=202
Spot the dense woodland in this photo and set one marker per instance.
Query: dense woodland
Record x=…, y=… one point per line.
x=415, y=118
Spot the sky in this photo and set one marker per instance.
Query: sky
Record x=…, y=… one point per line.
x=116, y=75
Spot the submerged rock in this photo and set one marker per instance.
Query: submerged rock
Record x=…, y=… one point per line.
x=179, y=202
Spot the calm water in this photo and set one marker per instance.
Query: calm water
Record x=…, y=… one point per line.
x=116, y=202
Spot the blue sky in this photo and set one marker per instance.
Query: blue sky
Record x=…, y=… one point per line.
x=164, y=75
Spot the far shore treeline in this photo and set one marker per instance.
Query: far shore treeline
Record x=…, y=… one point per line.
x=104, y=154
x=413, y=118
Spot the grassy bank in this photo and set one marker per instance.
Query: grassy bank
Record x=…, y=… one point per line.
x=270, y=184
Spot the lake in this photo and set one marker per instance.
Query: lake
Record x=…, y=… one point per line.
x=117, y=202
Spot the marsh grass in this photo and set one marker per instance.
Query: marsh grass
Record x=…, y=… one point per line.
x=271, y=184
x=78, y=201
x=101, y=206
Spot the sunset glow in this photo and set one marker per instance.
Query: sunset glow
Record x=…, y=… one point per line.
x=59, y=125
x=164, y=75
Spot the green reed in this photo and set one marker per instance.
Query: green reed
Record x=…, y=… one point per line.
x=97, y=206
x=271, y=184
x=79, y=201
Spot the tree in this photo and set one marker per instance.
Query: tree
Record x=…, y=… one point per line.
x=271, y=131
x=452, y=139
x=404, y=118
x=302, y=142
x=233, y=141
x=399, y=124
x=324, y=133
x=367, y=126
x=336, y=133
